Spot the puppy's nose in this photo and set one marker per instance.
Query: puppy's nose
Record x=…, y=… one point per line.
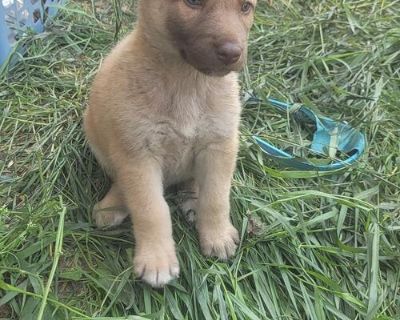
x=229, y=53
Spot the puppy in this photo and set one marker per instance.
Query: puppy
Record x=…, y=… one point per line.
x=164, y=110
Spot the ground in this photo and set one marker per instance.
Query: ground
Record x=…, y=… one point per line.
x=311, y=247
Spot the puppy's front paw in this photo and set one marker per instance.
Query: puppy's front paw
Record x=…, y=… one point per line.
x=220, y=241
x=156, y=266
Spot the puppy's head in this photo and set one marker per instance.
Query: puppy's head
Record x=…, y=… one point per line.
x=210, y=35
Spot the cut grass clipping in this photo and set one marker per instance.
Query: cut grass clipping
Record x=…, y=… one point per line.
x=312, y=248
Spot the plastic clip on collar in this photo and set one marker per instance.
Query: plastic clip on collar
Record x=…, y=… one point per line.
x=347, y=140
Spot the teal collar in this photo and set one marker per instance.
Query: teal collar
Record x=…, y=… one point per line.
x=328, y=135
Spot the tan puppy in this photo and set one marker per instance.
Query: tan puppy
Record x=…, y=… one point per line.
x=164, y=109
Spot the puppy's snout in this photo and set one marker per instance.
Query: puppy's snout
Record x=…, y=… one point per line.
x=229, y=53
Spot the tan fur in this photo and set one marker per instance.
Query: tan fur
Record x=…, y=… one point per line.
x=154, y=120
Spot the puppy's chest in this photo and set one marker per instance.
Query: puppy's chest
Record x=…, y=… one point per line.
x=178, y=136
x=174, y=145
x=175, y=140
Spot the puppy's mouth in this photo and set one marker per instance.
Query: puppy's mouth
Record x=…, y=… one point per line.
x=215, y=69
x=214, y=73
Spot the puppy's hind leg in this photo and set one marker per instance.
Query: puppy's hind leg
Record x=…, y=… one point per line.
x=110, y=211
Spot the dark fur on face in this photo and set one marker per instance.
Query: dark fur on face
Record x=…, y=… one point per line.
x=198, y=32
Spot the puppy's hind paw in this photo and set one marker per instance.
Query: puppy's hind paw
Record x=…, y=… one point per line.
x=108, y=217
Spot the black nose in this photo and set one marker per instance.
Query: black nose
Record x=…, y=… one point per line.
x=229, y=53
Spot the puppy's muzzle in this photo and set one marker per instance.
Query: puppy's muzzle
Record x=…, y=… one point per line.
x=229, y=53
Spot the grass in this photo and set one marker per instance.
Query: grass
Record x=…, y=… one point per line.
x=312, y=247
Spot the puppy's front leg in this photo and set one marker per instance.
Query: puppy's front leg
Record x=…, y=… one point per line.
x=155, y=258
x=214, y=171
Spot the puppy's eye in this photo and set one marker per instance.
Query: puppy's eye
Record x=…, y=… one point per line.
x=194, y=3
x=246, y=7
